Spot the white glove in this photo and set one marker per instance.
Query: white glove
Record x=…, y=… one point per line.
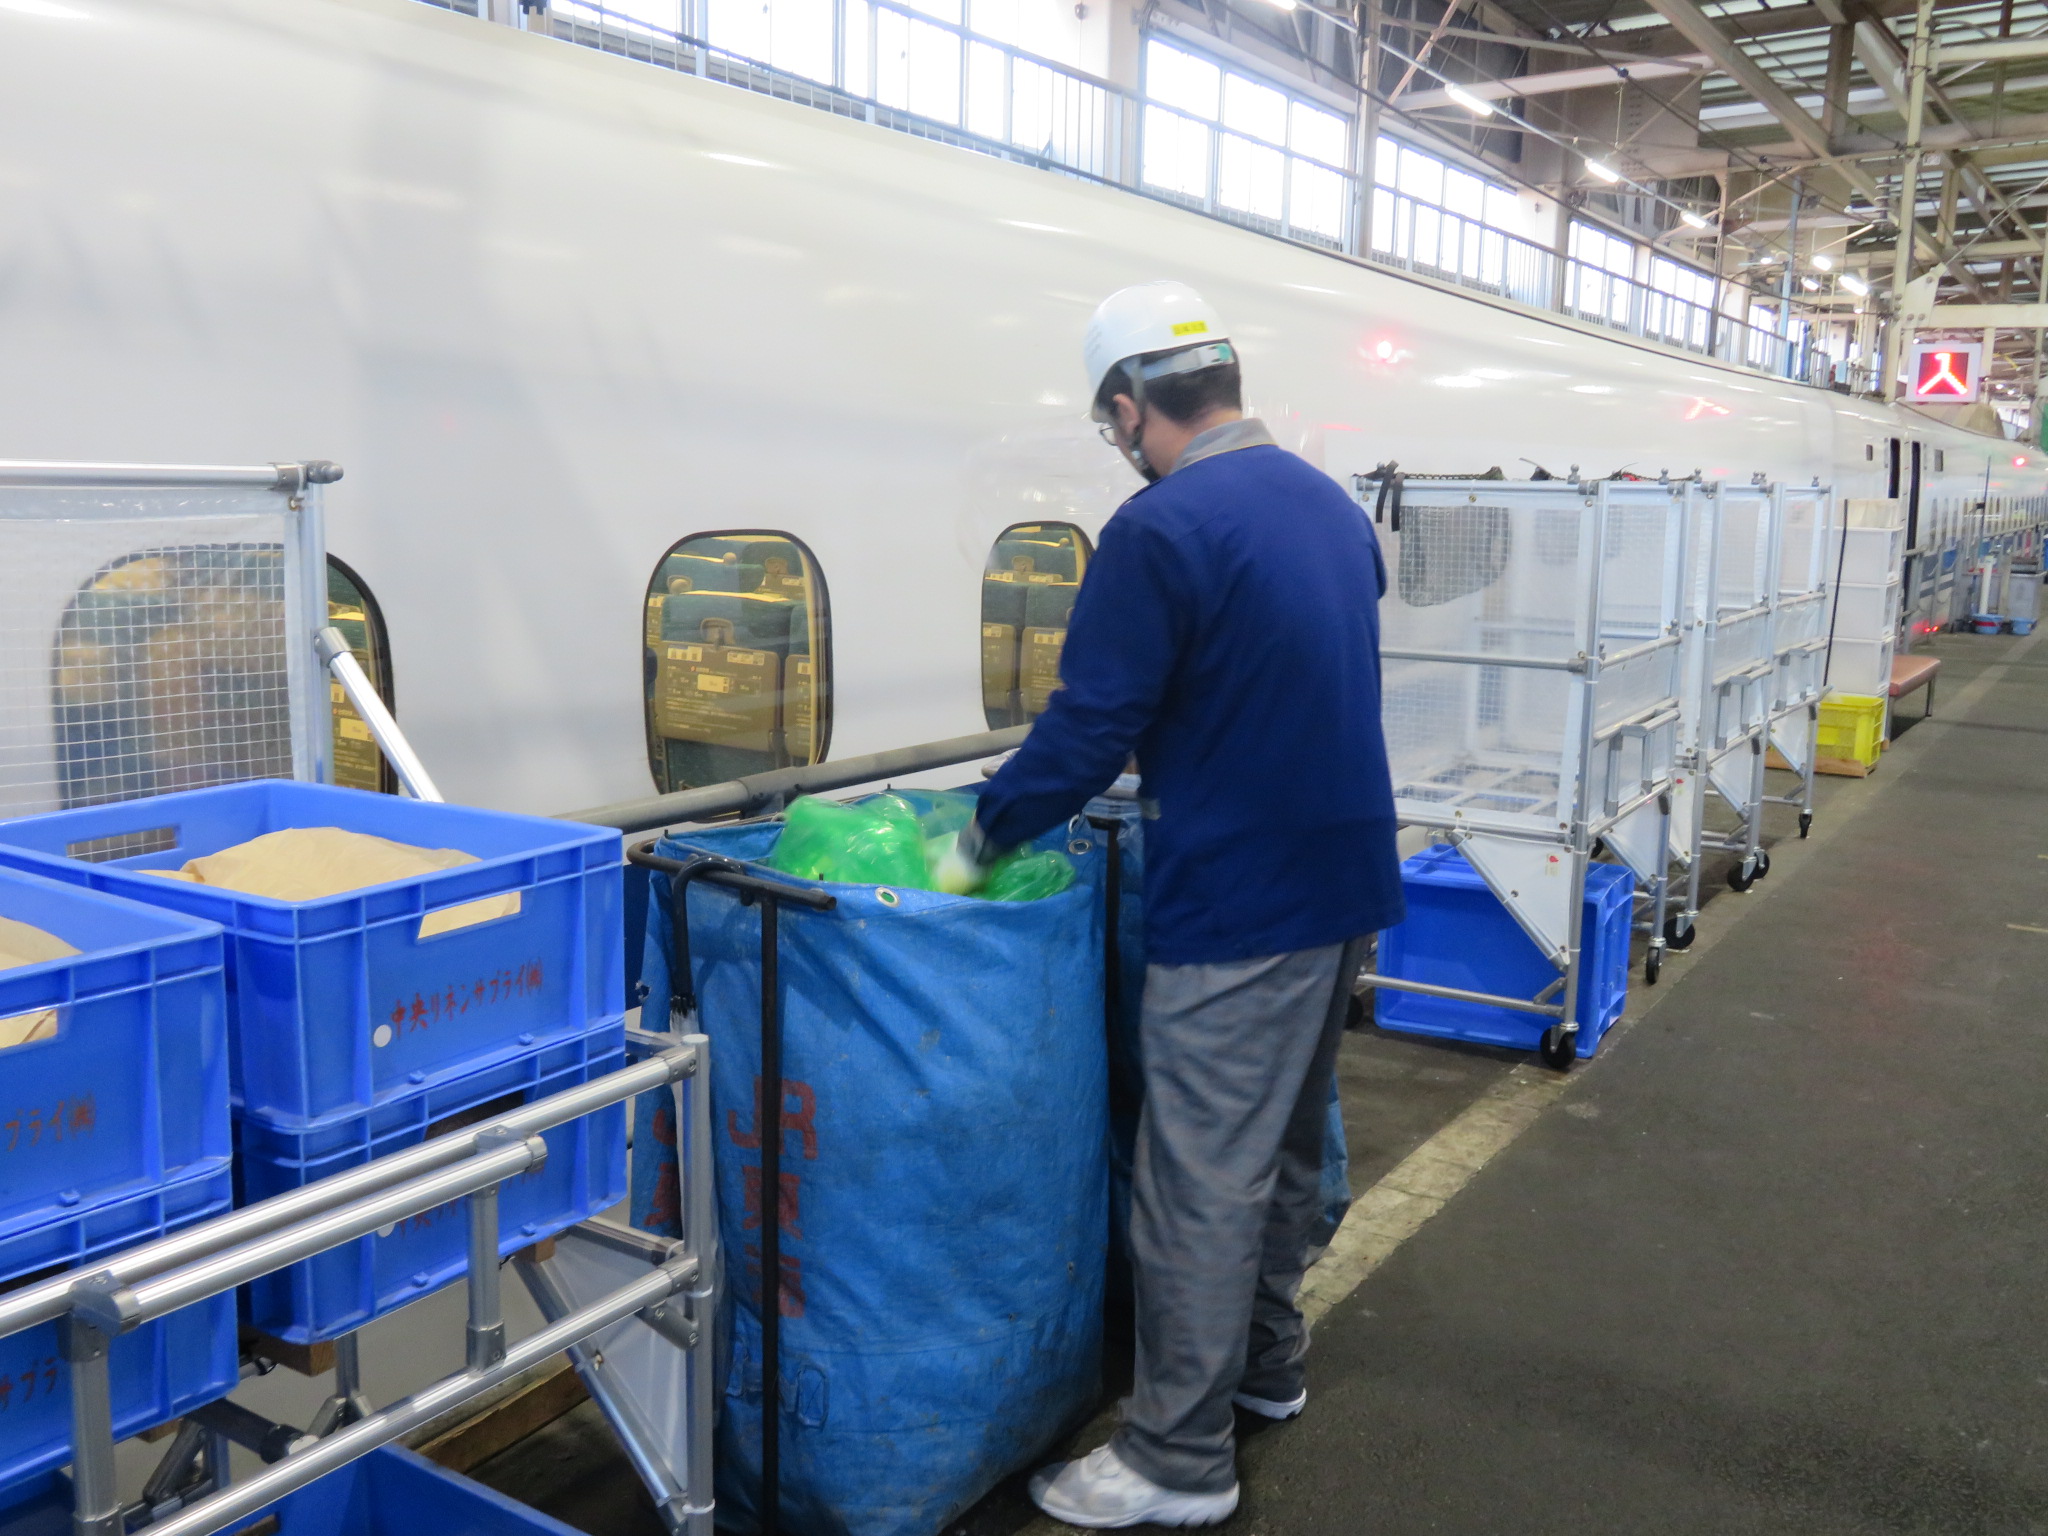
x=963, y=862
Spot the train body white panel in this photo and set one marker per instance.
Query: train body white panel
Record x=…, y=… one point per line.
x=554, y=310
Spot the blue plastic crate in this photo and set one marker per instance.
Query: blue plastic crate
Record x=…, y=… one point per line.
x=340, y=1290
x=132, y=1091
x=158, y=1371
x=1459, y=935
x=390, y=1492
x=338, y=1004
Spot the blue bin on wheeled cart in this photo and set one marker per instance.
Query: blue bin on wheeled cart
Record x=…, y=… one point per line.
x=1458, y=934
x=113, y=1132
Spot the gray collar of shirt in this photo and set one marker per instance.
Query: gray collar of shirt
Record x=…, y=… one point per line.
x=1249, y=432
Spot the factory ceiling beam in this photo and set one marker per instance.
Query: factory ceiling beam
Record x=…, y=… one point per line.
x=1991, y=51
x=1587, y=77
x=1701, y=31
x=1884, y=56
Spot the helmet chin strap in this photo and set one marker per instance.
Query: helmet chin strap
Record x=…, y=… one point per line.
x=1136, y=452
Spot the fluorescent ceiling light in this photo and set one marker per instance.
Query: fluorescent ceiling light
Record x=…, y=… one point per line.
x=1697, y=221
x=1606, y=173
x=1478, y=106
x=1823, y=263
x=1283, y=5
x=1811, y=285
x=1855, y=284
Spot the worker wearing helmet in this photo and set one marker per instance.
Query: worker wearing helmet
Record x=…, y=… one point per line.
x=1228, y=637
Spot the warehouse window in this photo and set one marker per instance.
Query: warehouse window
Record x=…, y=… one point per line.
x=1603, y=269
x=1027, y=590
x=737, y=650
x=1215, y=136
x=1679, y=302
x=358, y=764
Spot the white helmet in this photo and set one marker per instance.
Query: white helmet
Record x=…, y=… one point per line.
x=1153, y=317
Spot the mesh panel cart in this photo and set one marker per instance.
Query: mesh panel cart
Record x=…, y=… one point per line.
x=1807, y=557
x=1732, y=674
x=163, y=628
x=1532, y=669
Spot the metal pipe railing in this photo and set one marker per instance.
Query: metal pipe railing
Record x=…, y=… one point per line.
x=98, y=1305
x=770, y=790
x=119, y=1310
x=331, y=646
x=52, y=1298
x=381, y=1428
x=1490, y=659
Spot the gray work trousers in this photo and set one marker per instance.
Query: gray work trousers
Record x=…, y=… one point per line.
x=1224, y=1195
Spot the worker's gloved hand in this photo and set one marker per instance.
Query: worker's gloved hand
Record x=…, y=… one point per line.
x=963, y=868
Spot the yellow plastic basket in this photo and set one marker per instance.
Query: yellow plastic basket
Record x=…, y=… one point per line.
x=1851, y=735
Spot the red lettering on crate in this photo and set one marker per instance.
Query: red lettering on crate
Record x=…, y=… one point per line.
x=29, y=1128
x=802, y=1120
x=40, y=1379
x=791, y=1297
x=444, y=1002
x=788, y=1212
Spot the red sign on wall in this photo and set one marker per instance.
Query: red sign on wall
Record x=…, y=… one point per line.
x=1945, y=372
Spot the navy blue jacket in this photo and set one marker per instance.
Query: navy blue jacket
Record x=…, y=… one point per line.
x=1228, y=634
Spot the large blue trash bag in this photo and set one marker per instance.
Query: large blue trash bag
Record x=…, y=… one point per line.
x=944, y=1201
x=1127, y=1063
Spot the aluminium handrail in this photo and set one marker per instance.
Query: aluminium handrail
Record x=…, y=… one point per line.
x=769, y=790
x=275, y=477
x=381, y=1428
x=52, y=1298
x=1490, y=659
x=129, y=1307
x=97, y=1307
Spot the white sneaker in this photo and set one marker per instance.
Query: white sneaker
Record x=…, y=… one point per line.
x=1267, y=1408
x=1101, y=1493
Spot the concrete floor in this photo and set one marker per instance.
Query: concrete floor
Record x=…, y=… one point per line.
x=1767, y=1264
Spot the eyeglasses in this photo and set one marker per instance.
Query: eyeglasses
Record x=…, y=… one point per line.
x=1108, y=431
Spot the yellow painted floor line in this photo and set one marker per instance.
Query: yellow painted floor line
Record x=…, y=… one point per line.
x=2024, y=928
x=1388, y=1214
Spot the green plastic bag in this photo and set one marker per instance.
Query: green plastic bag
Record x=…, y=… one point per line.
x=939, y=811
x=1028, y=875
x=877, y=842
x=897, y=839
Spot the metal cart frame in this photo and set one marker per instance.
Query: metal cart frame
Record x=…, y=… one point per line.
x=1618, y=721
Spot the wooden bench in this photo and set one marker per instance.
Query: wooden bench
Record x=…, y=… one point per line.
x=1910, y=673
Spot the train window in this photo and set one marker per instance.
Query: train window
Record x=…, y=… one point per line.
x=1027, y=590
x=358, y=764
x=738, y=657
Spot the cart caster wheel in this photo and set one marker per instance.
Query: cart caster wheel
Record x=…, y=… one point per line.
x=1805, y=823
x=1677, y=936
x=1763, y=862
x=1653, y=967
x=1743, y=875
x=1560, y=1048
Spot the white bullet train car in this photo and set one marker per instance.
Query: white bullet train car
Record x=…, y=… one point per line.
x=682, y=426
